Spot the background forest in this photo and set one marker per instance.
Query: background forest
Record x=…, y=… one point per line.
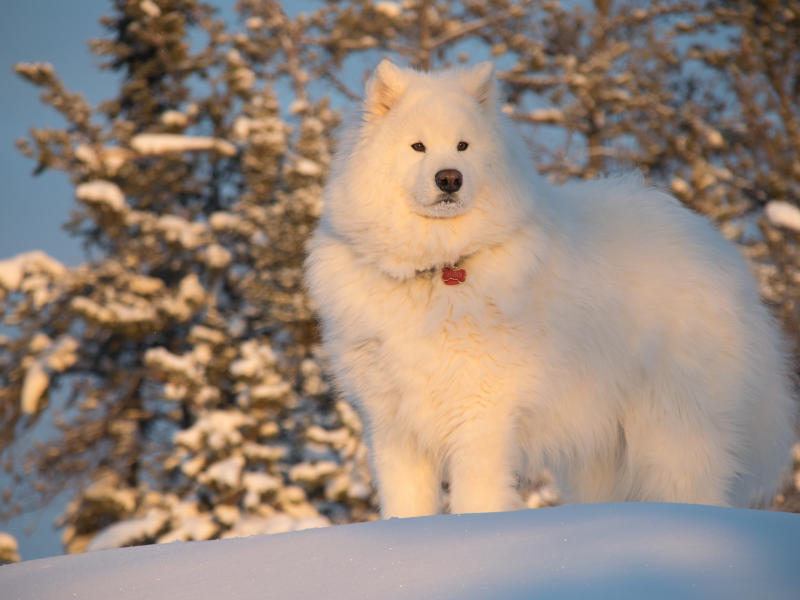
x=178, y=372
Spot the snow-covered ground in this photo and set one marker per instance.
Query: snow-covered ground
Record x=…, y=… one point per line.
x=618, y=551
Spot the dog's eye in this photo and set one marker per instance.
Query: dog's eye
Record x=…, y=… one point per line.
x=419, y=147
x=462, y=146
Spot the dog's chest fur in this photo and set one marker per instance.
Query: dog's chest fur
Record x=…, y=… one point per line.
x=438, y=355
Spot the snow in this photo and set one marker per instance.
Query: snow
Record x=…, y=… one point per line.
x=61, y=355
x=227, y=514
x=114, y=314
x=8, y=548
x=783, y=214
x=130, y=531
x=234, y=57
x=144, y=285
x=190, y=293
x=184, y=365
x=621, y=551
x=348, y=416
x=13, y=270
x=191, y=290
x=714, y=138
x=113, y=158
x=258, y=484
x=39, y=342
x=178, y=229
x=255, y=359
x=221, y=427
x=36, y=382
x=198, y=333
x=56, y=357
x=390, y=9
x=306, y=472
x=262, y=452
x=243, y=79
x=217, y=257
x=337, y=438
x=105, y=491
x=87, y=155
x=199, y=527
x=270, y=391
x=262, y=483
x=102, y=194
x=165, y=143
x=149, y=7
x=174, y=118
x=254, y=22
x=224, y=473
x=222, y=220
x=193, y=466
x=547, y=115
x=680, y=186
x=297, y=106
x=307, y=167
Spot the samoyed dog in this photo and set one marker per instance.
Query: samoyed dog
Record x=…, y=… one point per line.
x=487, y=325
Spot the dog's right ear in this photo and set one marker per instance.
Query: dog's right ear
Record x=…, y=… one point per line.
x=384, y=89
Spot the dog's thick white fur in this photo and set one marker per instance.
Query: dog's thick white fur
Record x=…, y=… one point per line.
x=603, y=330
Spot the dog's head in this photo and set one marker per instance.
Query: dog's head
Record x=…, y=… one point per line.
x=439, y=129
x=433, y=172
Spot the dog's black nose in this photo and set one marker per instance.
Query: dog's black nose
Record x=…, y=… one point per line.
x=449, y=180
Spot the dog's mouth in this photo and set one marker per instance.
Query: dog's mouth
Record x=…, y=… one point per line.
x=445, y=205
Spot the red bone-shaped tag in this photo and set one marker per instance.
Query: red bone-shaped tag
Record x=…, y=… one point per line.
x=453, y=276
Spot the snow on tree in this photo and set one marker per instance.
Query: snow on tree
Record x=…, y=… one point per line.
x=8, y=548
x=195, y=403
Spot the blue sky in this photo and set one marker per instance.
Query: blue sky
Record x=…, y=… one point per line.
x=32, y=209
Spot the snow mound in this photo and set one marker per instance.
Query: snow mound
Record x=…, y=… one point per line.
x=590, y=551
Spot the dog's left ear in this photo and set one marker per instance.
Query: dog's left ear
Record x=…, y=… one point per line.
x=481, y=83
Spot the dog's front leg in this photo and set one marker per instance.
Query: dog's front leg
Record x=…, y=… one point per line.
x=483, y=463
x=408, y=483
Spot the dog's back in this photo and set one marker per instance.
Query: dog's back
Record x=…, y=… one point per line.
x=698, y=358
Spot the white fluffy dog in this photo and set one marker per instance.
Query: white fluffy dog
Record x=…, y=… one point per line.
x=487, y=325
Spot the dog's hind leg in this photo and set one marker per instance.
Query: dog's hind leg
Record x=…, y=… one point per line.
x=599, y=476
x=677, y=452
